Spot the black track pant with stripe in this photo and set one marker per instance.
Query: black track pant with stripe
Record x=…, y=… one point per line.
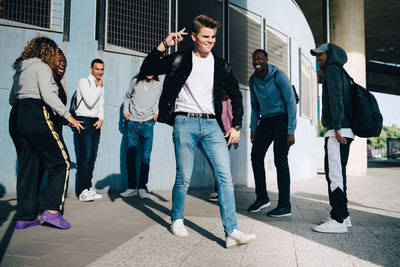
x=38, y=144
x=336, y=156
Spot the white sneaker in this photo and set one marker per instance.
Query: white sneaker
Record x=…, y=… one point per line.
x=143, y=193
x=129, y=193
x=331, y=226
x=178, y=229
x=238, y=238
x=347, y=221
x=86, y=196
x=95, y=194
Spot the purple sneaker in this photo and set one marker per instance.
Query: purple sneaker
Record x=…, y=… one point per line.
x=55, y=219
x=27, y=224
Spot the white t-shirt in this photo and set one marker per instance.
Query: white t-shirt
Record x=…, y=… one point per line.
x=345, y=132
x=197, y=93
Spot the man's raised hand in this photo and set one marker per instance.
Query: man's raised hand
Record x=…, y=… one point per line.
x=172, y=39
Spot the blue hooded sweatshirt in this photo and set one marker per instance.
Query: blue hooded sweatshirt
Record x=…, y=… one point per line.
x=267, y=100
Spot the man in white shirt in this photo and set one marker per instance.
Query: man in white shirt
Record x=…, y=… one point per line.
x=191, y=101
x=90, y=98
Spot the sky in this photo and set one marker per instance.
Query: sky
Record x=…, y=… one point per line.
x=389, y=106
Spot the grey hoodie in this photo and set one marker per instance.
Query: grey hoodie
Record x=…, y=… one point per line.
x=34, y=79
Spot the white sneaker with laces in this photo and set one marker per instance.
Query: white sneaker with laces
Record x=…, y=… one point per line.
x=331, y=226
x=95, y=194
x=129, y=193
x=143, y=193
x=86, y=196
x=347, y=221
x=178, y=228
x=238, y=238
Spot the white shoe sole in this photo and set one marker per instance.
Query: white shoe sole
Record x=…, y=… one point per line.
x=279, y=216
x=262, y=207
x=130, y=195
x=86, y=200
x=330, y=231
x=234, y=243
x=178, y=234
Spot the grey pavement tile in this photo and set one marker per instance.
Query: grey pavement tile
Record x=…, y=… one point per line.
x=95, y=247
x=170, y=250
x=59, y=238
x=112, y=235
x=363, y=244
x=65, y=259
x=32, y=249
x=17, y=261
x=273, y=246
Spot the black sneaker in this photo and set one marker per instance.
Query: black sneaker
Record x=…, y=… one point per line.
x=258, y=205
x=279, y=212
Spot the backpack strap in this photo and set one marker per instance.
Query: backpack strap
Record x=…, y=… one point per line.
x=276, y=84
x=81, y=96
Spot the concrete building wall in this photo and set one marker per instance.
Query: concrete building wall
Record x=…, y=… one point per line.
x=286, y=17
x=110, y=170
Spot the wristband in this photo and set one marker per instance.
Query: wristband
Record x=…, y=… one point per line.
x=165, y=44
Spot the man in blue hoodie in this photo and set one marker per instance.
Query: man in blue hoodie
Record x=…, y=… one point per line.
x=273, y=119
x=336, y=118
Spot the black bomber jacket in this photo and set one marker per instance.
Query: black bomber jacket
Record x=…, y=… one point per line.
x=177, y=70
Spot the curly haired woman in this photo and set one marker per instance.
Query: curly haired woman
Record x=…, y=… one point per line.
x=34, y=98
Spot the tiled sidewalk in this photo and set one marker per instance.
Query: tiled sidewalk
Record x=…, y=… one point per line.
x=134, y=232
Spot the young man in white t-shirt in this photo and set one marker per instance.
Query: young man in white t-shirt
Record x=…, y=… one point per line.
x=192, y=102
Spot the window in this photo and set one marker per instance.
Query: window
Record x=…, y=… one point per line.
x=305, y=87
x=314, y=88
x=244, y=32
x=136, y=24
x=46, y=14
x=278, y=50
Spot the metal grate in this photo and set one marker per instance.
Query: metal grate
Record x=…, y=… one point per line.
x=40, y=13
x=278, y=50
x=244, y=38
x=137, y=25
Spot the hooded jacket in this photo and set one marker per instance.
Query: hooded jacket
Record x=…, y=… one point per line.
x=34, y=79
x=336, y=94
x=267, y=100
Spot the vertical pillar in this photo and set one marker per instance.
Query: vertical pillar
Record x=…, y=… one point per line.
x=347, y=31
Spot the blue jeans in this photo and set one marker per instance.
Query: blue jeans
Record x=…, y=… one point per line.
x=188, y=134
x=88, y=144
x=139, y=132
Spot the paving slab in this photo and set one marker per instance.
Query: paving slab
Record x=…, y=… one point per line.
x=117, y=231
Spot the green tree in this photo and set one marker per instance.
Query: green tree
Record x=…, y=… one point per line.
x=387, y=132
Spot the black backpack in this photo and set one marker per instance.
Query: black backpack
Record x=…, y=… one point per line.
x=74, y=102
x=367, y=119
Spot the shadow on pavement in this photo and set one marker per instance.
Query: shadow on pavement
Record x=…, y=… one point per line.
x=5, y=210
x=145, y=206
x=359, y=241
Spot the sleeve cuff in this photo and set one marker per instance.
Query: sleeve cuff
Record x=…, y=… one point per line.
x=66, y=115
